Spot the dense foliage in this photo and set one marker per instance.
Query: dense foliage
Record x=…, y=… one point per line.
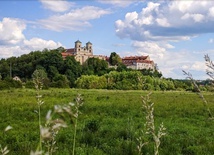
x=115, y=59
x=94, y=73
x=110, y=121
x=60, y=73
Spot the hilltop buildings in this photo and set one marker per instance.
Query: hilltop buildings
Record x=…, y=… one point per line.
x=82, y=53
x=139, y=62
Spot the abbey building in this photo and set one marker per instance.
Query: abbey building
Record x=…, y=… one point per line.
x=81, y=53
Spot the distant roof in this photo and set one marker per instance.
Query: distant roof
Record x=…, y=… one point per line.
x=88, y=42
x=135, y=58
x=71, y=50
x=78, y=41
x=64, y=54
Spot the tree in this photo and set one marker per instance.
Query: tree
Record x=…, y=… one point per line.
x=60, y=81
x=95, y=66
x=40, y=79
x=72, y=69
x=4, y=69
x=115, y=59
x=52, y=72
x=121, y=67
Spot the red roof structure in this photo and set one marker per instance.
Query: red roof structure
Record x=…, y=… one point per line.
x=136, y=60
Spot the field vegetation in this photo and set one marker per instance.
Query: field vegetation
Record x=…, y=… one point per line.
x=110, y=122
x=114, y=115
x=92, y=74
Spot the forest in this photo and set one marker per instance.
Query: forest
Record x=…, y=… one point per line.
x=93, y=74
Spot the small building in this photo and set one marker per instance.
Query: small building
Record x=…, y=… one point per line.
x=16, y=78
x=138, y=62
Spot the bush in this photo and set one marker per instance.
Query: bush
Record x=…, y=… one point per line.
x=29, y=84
x=10, y=83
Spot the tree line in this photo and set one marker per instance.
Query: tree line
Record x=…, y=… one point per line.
x=94, y=73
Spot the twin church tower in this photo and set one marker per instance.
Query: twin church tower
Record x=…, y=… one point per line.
x=81, y=53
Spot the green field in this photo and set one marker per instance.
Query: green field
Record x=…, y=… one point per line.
x=110, y=122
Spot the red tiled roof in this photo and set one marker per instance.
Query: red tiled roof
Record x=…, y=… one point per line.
x=145, y=61
x=71, y=50
x=135, y=58
x=64, y=54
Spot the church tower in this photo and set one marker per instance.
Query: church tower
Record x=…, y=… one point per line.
x=78, y=45
x=89, y=48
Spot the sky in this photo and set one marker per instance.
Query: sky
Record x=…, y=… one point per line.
x=175, y=34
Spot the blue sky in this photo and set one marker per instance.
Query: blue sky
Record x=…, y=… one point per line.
x=175, y=34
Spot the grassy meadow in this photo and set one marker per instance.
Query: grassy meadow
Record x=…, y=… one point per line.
x=110, y=122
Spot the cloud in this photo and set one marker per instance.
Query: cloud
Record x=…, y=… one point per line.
x=171, y=63
x=14, y=43
x=9, y=51
x=169, y=21
x=119, y=3
x=149, y=48
x=119, y=45
x=73, y=20
x=158, y=24
x=211, y=40
x=40, y=44
x=11, y=31
x=56, y=5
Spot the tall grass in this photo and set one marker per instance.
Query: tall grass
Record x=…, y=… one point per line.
x=210, y=72
x=52, y=126
x=150, y=129
x=109, y=122
x=3, y=149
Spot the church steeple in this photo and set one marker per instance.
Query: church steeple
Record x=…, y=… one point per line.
x=89, y=47
x=78, y=45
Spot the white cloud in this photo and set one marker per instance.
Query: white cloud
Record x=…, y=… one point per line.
x=198, y=66
x=155, y=50
x=14, y=43
x=74, y=20
x=56, y=5
x=9, y=51
x=11, y=31
x=171, y=63
x=211, y=40
x=162, y=22
x=40, y=44
x=211, y=11
x=170, y=21
x=195, y=17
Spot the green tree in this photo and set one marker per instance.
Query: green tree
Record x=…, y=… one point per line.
x=4, y=69
x=52, y=72
x=95, y=66
x=40, y=78
x=114, y=59
x=72, y=69
x=60, y=81
x=121, y=67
